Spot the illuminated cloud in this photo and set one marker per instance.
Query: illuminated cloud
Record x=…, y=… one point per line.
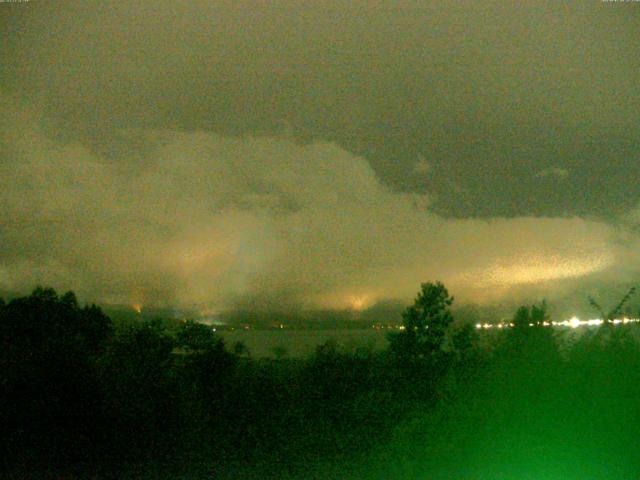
x=259, y=220
x=276, y=155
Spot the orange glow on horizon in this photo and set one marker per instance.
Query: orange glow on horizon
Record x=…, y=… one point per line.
x=360, y=302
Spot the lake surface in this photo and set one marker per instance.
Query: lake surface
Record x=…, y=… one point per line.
x=300, y=343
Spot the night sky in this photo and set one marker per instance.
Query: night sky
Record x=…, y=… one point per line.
x=318, y=154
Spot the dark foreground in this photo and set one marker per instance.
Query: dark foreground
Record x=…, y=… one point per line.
x=84, y=398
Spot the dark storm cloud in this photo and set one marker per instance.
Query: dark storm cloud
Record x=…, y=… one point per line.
x=489, y=93
x=315, y=152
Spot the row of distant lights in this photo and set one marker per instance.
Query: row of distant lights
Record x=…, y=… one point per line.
x=574, y=322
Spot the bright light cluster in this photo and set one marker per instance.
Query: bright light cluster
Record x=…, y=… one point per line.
x=573, y=322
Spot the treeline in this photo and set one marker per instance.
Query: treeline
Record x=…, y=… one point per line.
x=87, y=397
x=547, y=403
x=84, y=398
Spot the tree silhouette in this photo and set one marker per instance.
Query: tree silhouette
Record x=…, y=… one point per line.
x=531, y=343
x=522, y=318
x=615, y=311
x=425, y=323
x=48, y=390
x=205, y=370
x=539, y=313
x=464, y=339
x=135, y=376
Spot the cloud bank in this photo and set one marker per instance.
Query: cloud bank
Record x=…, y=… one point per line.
x=183, y=218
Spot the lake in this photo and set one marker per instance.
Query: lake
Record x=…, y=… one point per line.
x=300, y=343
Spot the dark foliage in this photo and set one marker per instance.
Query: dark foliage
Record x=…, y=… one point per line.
x=50, y=397
x=80, y=401
x=425, y=324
